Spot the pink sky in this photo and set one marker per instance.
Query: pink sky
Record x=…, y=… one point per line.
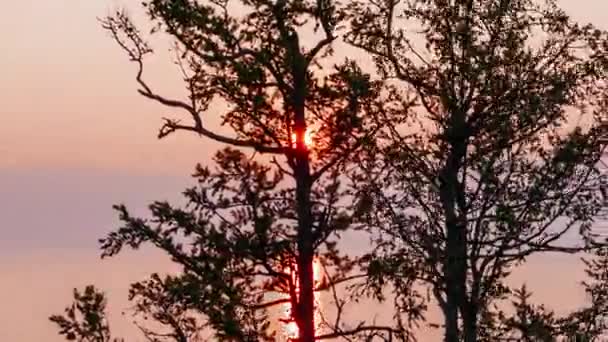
x=76, y=138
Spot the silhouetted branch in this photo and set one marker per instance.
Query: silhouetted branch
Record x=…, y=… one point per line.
x=136, y=48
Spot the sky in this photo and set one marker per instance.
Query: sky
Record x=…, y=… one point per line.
x=75, y=138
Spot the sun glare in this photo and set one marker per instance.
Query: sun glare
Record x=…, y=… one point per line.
x=307, y=139
x=290, y=327
x=291, y=330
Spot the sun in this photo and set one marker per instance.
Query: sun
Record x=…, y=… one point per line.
x=307, y=138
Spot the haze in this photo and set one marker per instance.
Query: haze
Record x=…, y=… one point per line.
x=76, y=138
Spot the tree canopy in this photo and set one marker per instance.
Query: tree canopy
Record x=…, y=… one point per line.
x=497, y=158
x=474, y=146
x=254, y=227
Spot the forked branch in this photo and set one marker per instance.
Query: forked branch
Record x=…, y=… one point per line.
x=128, y=37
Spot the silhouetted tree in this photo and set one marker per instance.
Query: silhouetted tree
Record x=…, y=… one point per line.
x=531, y=322
x=496, y=160
x=590, y=323
x=252, y=228
x=85, y=320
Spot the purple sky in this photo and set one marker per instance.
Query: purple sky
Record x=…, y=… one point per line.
x=76, y=138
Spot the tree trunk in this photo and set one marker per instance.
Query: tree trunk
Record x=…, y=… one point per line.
x=306, y=309
x=470, y=312
x=455, y=262
x=306, y=304
x=455, y=271
x=306, y=325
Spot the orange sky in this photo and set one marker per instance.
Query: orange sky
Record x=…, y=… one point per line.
x=76, y=138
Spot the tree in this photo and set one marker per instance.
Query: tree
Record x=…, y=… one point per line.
x=531, y=322
x=590, y=323
x=254, y=227
x=491, y=165
x=85, y=320
x=157, y=298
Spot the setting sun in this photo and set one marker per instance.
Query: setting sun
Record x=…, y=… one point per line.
x=307, y=138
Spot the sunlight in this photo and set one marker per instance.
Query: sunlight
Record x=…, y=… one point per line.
x=291, y=330
x=307, y=139
x=290, y=327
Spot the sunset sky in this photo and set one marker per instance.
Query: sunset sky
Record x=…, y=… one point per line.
x=75, y=138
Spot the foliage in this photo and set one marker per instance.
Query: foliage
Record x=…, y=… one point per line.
x=495, y=159
x=531, y=322
x=255, y=224
x=167, y=301
x=85, y=320
x=461, y=162
x=590, y=322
